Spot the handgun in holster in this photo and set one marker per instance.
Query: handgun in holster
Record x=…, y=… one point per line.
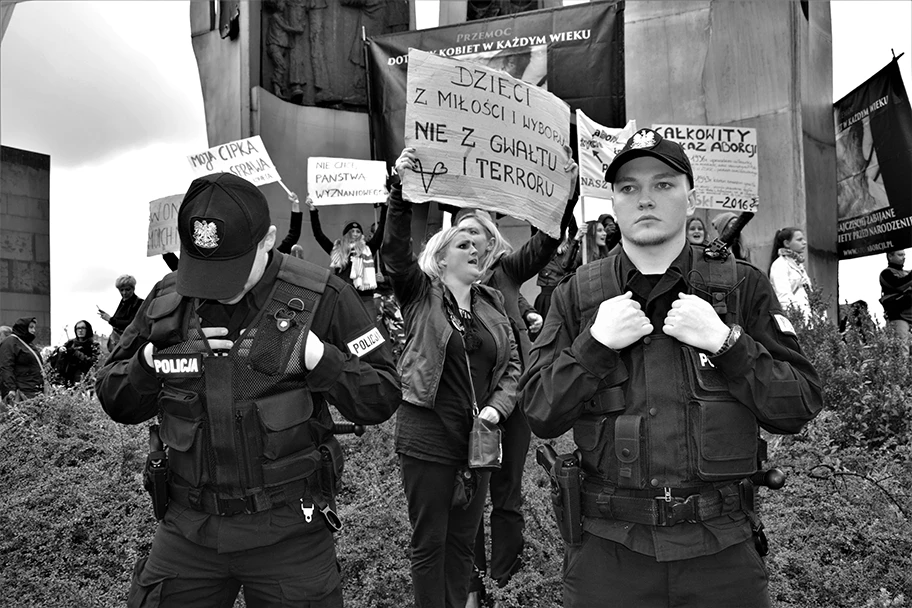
x=330, y=476
x=156, y=474
x=564, y=474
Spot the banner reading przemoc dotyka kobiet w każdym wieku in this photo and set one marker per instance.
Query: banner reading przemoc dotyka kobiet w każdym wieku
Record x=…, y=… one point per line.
x=873, y=161
x=576, y=52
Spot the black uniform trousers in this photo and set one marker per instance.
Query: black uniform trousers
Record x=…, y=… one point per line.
x=179, y=573
x=603, y=573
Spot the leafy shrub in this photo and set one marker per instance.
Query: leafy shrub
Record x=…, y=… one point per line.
x=75, y=518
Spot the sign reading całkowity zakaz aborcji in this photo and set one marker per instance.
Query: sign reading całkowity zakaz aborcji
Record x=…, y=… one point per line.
x=246, y=158
x=725, y=164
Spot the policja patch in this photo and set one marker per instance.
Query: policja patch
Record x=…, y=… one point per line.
x=366, y=343
x=189, y=365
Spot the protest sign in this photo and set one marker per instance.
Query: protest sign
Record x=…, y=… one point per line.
x=873, y=156
x=724, y=161
x=163, y=225
x=485, y=139
x=245, y=158
x=598, y=145
x=343, y=181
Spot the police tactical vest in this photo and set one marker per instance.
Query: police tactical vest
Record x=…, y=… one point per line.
x=242, y=424
x=677, y=425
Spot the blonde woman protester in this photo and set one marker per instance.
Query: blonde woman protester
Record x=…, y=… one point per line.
x=506, y=269
x=787, y=274
x=459, y=350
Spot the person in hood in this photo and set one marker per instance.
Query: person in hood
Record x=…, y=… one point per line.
x=21, y=366
x=74, y=359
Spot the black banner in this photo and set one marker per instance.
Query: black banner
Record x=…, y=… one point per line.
x=874, y=166
x=576, y=53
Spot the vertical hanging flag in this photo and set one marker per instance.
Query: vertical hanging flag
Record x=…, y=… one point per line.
x=874, y=166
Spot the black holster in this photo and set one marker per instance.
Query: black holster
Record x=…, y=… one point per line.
x=564, y=474
x=332, y=460
x=156, y=474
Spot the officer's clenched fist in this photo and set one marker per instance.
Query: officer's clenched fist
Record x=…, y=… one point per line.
x=692, y=320
x=620, y=322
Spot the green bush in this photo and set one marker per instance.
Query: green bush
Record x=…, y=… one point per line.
x=75, y=518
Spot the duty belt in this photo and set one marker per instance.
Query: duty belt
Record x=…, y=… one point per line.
x=664, y=508
x=207, y=501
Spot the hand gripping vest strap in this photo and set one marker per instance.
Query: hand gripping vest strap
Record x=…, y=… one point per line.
x=714, y=281
x=667, y=510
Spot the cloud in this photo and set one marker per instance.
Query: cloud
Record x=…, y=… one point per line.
x=87, y=81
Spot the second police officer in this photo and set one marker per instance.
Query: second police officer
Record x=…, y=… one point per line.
x=666, y=394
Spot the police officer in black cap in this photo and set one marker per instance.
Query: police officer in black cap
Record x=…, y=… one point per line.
x=241, y=352
x=665, y=393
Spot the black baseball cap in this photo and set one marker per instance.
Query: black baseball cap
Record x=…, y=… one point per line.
x=647, y=142
x=220, y=222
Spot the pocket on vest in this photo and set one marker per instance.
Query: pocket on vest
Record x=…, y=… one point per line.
x=180, y=434
x=283, y=419
x=725, y=430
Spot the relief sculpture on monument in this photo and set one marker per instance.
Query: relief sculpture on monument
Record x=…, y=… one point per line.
x=313, y=53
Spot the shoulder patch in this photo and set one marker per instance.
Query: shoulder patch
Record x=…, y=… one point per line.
x=366, y=342
x=785, y=326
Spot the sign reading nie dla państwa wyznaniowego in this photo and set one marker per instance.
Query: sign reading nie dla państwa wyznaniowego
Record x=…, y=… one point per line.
x=485, y=139
x=245, y=158
x=724, y=161
x=163, y=235
x=344, y=181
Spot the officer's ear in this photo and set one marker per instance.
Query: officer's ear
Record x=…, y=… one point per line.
x=691, y=201
x=268, y=241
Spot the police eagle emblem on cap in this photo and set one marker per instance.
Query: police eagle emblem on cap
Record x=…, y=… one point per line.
x=644, y=139
x=205, y=235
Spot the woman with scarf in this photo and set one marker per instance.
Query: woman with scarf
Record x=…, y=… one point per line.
x=460, y=357
x=787, y=273
x=21, y=366
x=352, y=256
x=74, y=359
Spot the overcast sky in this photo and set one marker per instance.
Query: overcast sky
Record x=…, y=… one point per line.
x=110, y=90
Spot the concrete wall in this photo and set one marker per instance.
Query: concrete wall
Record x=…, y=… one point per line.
x=25, y=244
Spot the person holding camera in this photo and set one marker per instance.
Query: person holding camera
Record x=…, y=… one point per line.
x=460, y=360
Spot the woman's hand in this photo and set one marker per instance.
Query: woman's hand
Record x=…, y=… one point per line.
x=572, y=168
x=310, y=203
x=490, y=414
x=406, y=161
